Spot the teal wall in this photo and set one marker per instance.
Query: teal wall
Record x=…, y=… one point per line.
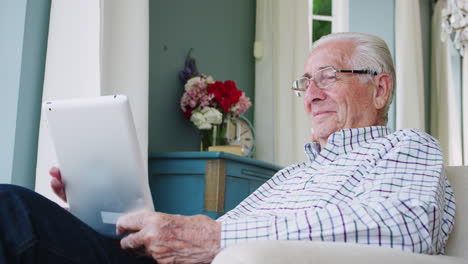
x=222, y=35
x=23, y=31
x=376, y=17
x=12, y=16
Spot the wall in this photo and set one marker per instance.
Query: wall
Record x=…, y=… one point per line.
x=376, y=17
x=222, y=35
x=12, y=15
x=23, y=31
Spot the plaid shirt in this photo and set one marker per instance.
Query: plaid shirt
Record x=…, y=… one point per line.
x=367, y=186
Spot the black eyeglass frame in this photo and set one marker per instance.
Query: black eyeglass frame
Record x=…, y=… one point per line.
x=327, y=68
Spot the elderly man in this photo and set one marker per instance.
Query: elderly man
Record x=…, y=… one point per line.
x=361, y=183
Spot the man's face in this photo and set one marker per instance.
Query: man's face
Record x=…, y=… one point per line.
x=348, y=103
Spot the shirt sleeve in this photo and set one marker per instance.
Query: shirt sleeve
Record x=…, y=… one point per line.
x=404, y=201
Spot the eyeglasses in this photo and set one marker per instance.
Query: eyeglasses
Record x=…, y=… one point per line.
x=323, y=78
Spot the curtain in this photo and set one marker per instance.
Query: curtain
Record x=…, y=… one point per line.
x=409, y=66
x=95, y=48
x=445, y=99
x=281, y=48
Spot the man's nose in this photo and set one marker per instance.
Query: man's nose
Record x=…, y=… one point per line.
x=314, y=93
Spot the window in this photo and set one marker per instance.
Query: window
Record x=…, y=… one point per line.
x=327, y=16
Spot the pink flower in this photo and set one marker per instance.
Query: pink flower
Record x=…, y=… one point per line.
x=196, y=95
x=240, y=107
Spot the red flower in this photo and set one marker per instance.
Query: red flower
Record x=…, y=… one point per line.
x=225, y=94
x=187, y=114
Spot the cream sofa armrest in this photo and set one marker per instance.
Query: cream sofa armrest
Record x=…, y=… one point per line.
x=297, y=252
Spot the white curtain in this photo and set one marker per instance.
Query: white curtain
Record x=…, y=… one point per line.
x=445, y=103
x=95, y=48
x=281, y=49
x=409, y=66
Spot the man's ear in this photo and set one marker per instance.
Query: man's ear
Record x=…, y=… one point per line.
x=383, y=89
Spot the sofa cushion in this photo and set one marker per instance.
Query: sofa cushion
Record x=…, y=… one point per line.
x=305, y=252
x=457, y=244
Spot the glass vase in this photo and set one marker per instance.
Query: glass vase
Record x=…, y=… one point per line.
x=206, y=139
x=215, y=136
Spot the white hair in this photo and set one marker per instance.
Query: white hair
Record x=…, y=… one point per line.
x=370, y=53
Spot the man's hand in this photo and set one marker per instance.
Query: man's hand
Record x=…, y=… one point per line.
x=57, y=184
x=171, y=238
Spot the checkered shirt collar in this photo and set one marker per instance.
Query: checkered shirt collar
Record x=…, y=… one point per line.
x=344, y=141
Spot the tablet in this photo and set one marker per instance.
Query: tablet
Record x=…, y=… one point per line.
x=99, y=159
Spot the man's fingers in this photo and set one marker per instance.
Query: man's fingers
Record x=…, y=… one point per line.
x=58, y=188
x=55, y=173
x=131, y=222
x=132, y=241
x=57, y=184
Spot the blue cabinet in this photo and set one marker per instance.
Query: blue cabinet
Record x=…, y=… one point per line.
x=209, y=183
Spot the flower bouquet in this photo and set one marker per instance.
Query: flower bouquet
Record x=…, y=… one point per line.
x=210, y=104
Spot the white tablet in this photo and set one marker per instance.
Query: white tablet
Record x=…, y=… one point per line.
x=99, y=158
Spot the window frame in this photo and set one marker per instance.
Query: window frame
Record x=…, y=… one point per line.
x=339, y=17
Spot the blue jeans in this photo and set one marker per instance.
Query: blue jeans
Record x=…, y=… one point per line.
x=35, y=230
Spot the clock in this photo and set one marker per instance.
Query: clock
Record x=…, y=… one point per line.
x=245, y=136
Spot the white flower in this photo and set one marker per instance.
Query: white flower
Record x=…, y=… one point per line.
x=209, y=79
x=192, y=83
x=212, y=115
x=199, y=120
x=198, y=82
x=206, y=117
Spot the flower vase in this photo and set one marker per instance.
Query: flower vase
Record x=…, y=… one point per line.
x=213, y=137
x=206, y=139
